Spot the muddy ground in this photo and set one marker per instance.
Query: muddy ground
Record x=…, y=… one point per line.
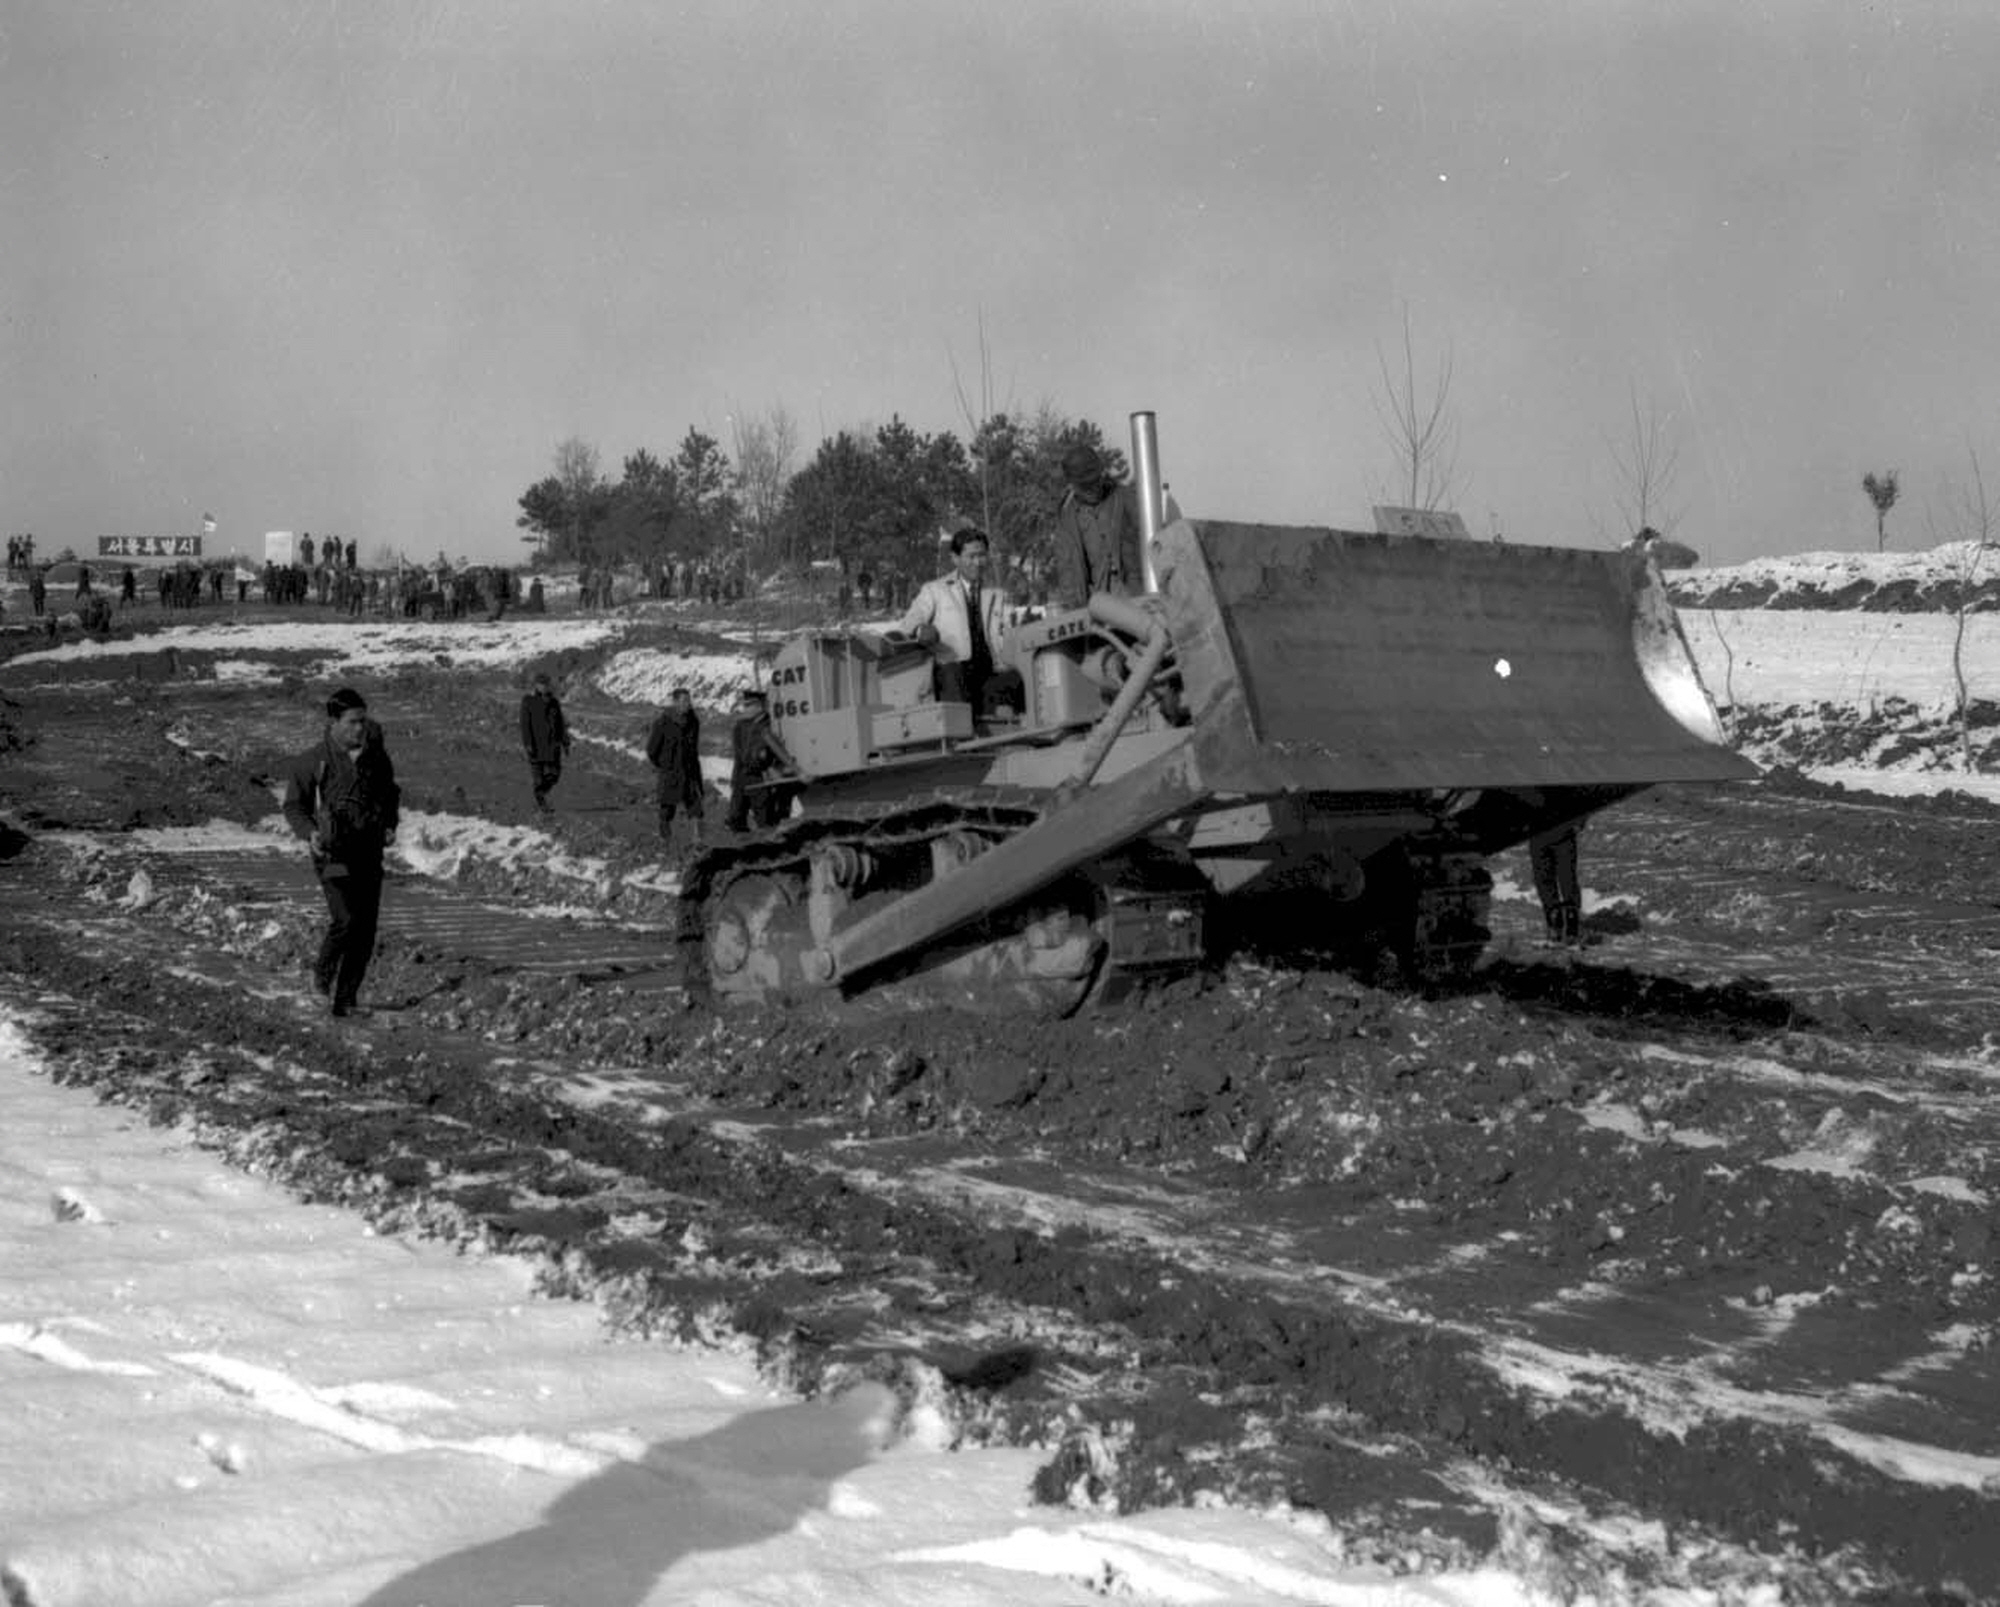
x=1686, y=1243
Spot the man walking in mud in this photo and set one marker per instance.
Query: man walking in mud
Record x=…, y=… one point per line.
x=544, y=738
x=342, y=799
x=673, y=749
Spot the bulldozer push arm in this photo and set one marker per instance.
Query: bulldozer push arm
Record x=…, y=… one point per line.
x=1093, y=824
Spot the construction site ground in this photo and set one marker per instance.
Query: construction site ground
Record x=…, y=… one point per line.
x=1687, y=1238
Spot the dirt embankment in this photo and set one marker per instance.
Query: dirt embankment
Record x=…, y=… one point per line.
x=1977, y=592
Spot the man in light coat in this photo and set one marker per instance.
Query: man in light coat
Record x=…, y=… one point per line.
x=961, y=619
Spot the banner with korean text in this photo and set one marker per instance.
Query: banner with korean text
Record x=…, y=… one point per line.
x=149, y=546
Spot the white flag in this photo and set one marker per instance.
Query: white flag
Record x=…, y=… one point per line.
x=208, y=524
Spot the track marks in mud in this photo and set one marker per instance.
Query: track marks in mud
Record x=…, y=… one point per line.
x=1530, y=1158
x=1204, y=1380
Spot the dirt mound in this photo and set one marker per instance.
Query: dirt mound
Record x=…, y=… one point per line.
x=1958, y=578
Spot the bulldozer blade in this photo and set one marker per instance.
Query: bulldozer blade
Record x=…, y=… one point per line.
x=1372, y=663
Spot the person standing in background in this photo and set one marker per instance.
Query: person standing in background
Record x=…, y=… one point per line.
x=673, y=749
x=755, y=754
x=544, y=737
x=1552, y=856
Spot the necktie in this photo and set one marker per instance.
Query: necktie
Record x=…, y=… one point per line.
x=978, y=625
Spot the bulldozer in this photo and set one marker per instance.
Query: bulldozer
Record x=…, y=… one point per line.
x=1304, y=731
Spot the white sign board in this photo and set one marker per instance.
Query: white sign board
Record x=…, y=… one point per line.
x=280, y=546
x=1433, y=522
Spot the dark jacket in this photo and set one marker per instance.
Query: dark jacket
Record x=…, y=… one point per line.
x=544, y=731
x=754, y=751
x=673, y=747
x=1097, y=547
x=346, y=805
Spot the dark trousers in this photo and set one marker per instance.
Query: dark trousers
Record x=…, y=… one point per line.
x=547, y=773
x=354, y=910
x=671, y=804
x=1552, y=857
x=979, y=685
x=958, y=682
x=765, y=806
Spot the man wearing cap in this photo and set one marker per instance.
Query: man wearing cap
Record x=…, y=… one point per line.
x=755, y=755
x=343, y=800
x=544, y=737
x=1096, y=534
x=961, y=619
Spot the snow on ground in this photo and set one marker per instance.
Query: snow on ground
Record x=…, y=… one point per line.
x=1773, y=658
x=442, y=845
x=351, y=646
x=429, y=843
x=1806, y=674
x=220, y=1395
x=651, y=674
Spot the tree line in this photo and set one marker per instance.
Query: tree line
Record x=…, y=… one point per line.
x=868, y=498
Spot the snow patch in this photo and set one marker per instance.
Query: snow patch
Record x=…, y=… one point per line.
x=364, y=645
x=650, y=674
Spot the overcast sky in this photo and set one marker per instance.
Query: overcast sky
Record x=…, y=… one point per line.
x=359, y=265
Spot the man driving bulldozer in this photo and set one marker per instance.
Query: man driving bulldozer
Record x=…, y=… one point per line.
x=961, y=619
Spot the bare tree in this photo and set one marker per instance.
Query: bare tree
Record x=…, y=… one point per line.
x=1972, y=528
x=1648, y=462
x=1727, y=711
x=976, y=414
x=577, y=470
x=1881, y=492
x=1421, y=425
x=765, y=447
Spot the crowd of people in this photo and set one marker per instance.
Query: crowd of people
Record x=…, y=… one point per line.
x=327, y=574
x=708, y=580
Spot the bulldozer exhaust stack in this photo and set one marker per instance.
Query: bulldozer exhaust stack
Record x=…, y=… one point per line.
x=1146, y=485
